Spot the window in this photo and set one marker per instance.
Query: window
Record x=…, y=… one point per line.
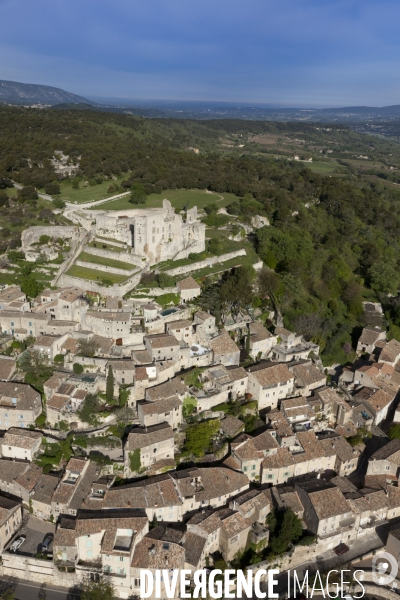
x=89, y=554
x=88, y=543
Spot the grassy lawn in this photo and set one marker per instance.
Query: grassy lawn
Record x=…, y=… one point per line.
x=226, y=246
x=109, y=246
x=320, y=167
x=94, y=274
x=225, y=266
x=89, y=193
x=178, y=199
x=101, y=260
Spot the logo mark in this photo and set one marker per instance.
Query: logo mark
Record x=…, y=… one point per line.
x=380, y=570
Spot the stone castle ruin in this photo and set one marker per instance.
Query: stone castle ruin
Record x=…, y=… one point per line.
x=156, y=234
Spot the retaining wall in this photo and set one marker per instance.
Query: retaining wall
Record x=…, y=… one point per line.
x=105, y=268
x=122, y=256
x=214, y=260
x=92, y=286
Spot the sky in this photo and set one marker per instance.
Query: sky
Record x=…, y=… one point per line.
x=294, y=53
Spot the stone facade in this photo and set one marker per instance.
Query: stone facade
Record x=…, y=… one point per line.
x=156, y=234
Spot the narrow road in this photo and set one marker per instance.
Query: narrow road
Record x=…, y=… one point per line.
x=96, y=202
x=18, y=186
x=73, y=256
x=29, y=590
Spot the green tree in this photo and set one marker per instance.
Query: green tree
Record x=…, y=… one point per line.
x=134, y=460
x=87, y=347
x=268, y=282
x=248, y=343
x=288, y=530
x=198, y=437
x=138, y=194
x=384, y=278
x=77, y=368
x=394, y=431
x=52, y=188
x=31, y=286
x=110, y=386
x=99, y=590
x=214, y=246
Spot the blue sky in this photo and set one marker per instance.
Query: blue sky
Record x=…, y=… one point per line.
x=287, y=52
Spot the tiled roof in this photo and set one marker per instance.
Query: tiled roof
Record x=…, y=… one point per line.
x=7, y=368
x=27, y=397
x=369, y=335
x=236, y=373
x=258, y=332
x=215, y=482
x=71, y=294
x=11, y=293
x=170, y=388
x=204, y=316
x=292, y=500
x=231, y=425
x=70, y=345
x=194, y=547
x=121, y=365
x=46, y=340
x=10, y=470
x=180, y=324
x=45, y=488
x=143, y=437
x=54, y=381
x=21, y=438
x=162, y=340
x=64, y=537
x=380, y=399
x=57, y=402
x=30, y=477
x=187, y=284
x=311, y=445
x=340, y=447
x=282, y=458
x=390, y=351
x=223, y=344
x=271, y=374
x=309, y=374
x=160, y=406
x=153, y=492
x=388, y=452
x=109, y=316
x=157, y=554
x=329, y=503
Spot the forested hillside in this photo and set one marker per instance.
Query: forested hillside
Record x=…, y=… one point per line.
x=333, y=240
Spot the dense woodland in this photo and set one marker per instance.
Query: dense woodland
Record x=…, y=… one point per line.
x=333, y=241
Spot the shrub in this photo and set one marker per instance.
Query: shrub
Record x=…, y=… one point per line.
x=134, y=460
x=59, y=358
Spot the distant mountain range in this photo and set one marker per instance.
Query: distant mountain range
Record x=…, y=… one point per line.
x=13, y=92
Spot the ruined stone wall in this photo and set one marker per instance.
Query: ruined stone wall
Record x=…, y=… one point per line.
x=31, y=235
x=92, y=286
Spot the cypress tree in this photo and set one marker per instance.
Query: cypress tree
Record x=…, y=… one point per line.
x=110, y=386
